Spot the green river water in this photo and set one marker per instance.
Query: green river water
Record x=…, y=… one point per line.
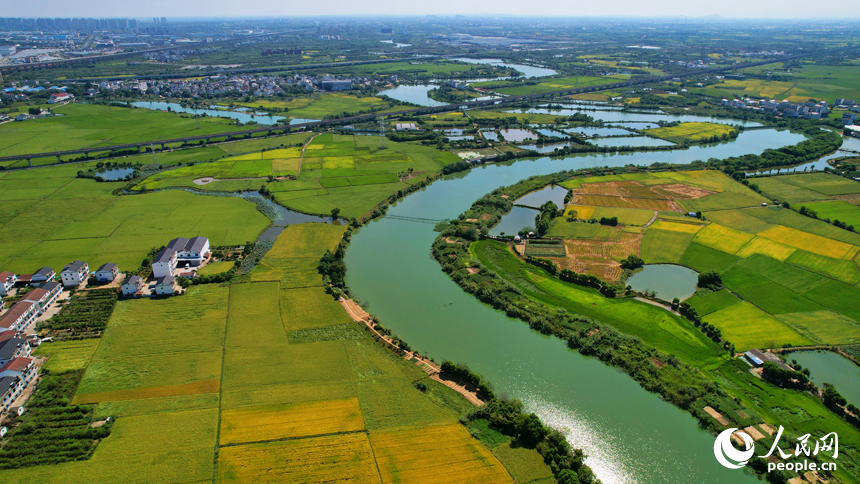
x=629, y=434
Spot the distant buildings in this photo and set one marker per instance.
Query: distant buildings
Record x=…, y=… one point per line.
x=805, y=110
x=405, y=127
x=330, y=84
x=60, y=97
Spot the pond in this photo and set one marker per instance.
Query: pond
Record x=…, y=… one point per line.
x=612, y=116
x=283, y=216
x=114, y=174
x=638, y=126
x=302, y=121
x=517, y=135
x=629, y=434
x=176, y=108
x=537, y=198
x=631, y=141
x=550, y=133
x=545, y=148
x=490, y=135
x=592, y=131
x=829, y=367
x=413, y=94
x=514, y=221
x=528, y=71
x=668, y=281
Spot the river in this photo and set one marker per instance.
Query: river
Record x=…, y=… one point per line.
x=629, y=434
x=240, y=116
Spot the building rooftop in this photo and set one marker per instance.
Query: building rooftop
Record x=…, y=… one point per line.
x=181, y=244
x=45, y=271
x=135, y=279
x=18, y=309
x=9, y=347
x=6, y=275
x=7, y=383
x=51, y=286
x=75, y=266
x=164, y=255
x=168, y=279
x=17, y=364
x=109, y=267
x=35, y=295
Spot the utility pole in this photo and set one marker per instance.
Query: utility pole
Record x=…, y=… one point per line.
x=383, y=141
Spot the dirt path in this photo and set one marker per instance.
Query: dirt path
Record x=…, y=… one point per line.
x=302, y=158
x=359, y=315
x=655, y=303
x=656, y=213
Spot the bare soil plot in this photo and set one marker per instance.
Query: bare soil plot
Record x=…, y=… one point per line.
x=717, y=416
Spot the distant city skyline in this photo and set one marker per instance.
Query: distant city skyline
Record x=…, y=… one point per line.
x=760, y=9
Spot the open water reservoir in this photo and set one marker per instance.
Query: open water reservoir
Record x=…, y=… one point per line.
x=668, y=281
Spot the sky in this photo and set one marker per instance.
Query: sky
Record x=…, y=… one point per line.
x=793, y=9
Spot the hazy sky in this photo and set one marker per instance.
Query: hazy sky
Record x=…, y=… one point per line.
x=191, y=8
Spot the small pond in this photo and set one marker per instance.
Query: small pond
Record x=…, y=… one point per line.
x=631, y=141
x=413, y=94
x=550, y=133
x=668, y=281
x=176, y=108
x=114, y=174
x=592, y=131
x=453, y=131
x=302, y=121
x=828, y=367
x=528, y=71
x=537, y=198
x=545, y=148
x=514, y=221
x=490, y=135
x=636, y=125
x=516, y=135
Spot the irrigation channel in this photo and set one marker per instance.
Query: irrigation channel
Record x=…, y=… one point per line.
x=629, y=434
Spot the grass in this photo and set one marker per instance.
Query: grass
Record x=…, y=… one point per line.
x=67, y=355
x=747, y=326
x=685, y=228
x=713, y=301
x=837, y=296
x=216, y=268
x=776, y=299
x=837, y=210
x=305, y=308
x=664, y=245
x=777, y=188
x=691, y=132
x=523, y=464
x=789, y=218
x=325, y=104
x=824, y=327
x=760, y=245
x=254, y=309
x=703, y=258
x=258, y=424
x=560, y=227
x=515, y=88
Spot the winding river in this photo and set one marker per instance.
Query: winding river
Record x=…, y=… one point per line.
x=629, y=434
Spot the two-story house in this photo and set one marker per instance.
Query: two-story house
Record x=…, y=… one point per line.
x=75, y=274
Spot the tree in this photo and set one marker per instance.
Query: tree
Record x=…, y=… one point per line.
x=710, y=278
x=532, y=430
x=334, y=213
x=632, y=261
x=833, y=398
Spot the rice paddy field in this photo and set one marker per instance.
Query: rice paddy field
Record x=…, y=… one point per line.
x=350, y=173
x=691, y=132
x=264, y=381
x=69, y=218
x=514, y=88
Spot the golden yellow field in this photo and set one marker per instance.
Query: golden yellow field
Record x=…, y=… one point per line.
x=285, y=165
x=339, y=458
x=811, y=242
x=282, y=153
x=677, y=227
x=258, y=424
x=435, y=455
x=583, y=212
x=196, y=388
x=722, y=238
x=763, y=246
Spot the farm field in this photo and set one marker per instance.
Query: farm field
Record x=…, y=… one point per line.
x=69, y=219
x=336, y=171
x=837, y=210
x=548, y=85
x=67, y=355
x=91, y=125
x=210, y=364
x=747, y=327
x=692, y=132
x=325, y=104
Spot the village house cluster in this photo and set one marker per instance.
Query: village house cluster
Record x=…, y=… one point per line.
x=218, y=85
x=36, y=298
x=805, y=110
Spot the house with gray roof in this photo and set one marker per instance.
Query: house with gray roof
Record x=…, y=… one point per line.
x=75, y=274
x=107, y=272
x=180, y=252
x=44, y=274
x=132, y=285
x=164, y=285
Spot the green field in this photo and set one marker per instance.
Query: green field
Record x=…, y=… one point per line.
x=68, y=219
x=91, y=125
x=696, y=131
x=67, y=355
x=713, y=301
x=664, y=245
x=747, y=326
x=837, y=210
x=515, y=88
x=324, y=104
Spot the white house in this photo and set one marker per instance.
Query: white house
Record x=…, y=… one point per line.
x=75, y=273
x=180, y=252
x=44, y=274
x=13, y=348
x=9, y=391
x=23, y=368
x=44, y=296
x=20, y=315
x=107, y=272
x=164, y=285
x=164, y=263
x=60, y=97
x=132, y=285
x=7, y=282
